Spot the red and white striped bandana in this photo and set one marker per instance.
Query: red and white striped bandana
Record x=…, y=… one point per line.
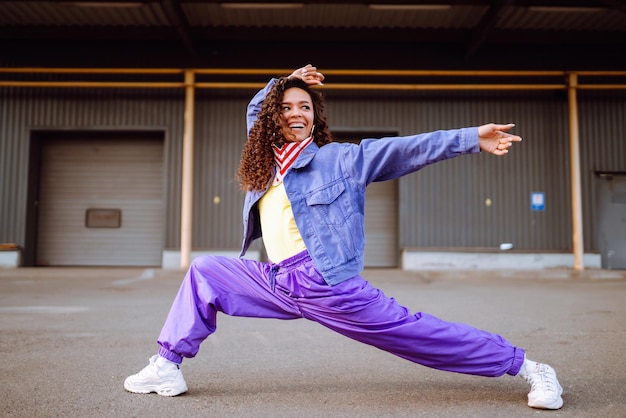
x=285, y=155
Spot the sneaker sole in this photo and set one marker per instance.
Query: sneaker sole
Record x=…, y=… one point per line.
x=163, y=391
x=557, y=405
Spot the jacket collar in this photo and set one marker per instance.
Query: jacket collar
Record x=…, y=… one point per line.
x=306, y=156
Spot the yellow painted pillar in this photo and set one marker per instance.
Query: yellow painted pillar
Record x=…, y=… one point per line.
x=574, y=146
x=186, y=207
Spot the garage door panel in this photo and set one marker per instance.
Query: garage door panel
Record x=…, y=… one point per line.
x=381, y=224
x=109, y=174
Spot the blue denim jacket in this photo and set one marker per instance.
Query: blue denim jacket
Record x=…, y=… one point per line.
x=326, y=188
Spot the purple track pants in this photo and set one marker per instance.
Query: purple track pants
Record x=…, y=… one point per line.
x=295, y=289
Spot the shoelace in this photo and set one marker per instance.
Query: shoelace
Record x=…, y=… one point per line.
x=152, y=365
x=540, y=379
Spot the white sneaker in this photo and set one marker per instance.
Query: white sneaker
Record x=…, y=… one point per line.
x=165, y=380
x=545, y=391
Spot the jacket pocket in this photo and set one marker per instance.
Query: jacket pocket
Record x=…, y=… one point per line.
x=325, y=195
x=330, y=204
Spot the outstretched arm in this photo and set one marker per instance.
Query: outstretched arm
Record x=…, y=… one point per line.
x=494, y=138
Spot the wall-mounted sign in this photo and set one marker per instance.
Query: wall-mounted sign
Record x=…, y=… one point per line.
x=103, y=218
x=538, y=201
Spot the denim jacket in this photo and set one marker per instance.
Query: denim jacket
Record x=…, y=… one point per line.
x=326, y=188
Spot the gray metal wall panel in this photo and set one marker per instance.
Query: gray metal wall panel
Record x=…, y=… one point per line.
x=444, y=204
x=602, y=148
x=12, y=171
x=25, y=110
x=220, y=136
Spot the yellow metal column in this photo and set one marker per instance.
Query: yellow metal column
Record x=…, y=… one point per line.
x=186, y=210
x=574, y=146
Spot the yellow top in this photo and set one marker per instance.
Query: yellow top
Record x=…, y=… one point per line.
x=280, y=233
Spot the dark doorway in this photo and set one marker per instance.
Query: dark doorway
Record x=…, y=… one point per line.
x=611, y=219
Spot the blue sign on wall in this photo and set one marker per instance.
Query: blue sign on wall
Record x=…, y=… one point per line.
x=538, y=201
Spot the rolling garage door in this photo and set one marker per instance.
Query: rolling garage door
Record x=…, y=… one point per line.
x=381, y=224
x=100, y=202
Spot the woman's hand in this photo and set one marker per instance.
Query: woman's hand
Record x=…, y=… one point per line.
x=309, y=75
x=493, y=138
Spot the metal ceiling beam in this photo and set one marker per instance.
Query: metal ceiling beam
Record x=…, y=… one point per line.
x=344, y=35
x=176, y=16
x=619, y=5
x=486, y=25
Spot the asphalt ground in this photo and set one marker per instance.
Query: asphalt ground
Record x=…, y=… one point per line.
x=70, y=336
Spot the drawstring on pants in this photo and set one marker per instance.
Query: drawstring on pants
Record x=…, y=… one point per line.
x=287, y=265
x=272, y=277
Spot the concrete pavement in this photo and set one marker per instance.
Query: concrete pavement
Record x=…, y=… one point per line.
x=69, y=337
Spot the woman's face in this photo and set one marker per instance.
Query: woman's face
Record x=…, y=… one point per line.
x=297, y=115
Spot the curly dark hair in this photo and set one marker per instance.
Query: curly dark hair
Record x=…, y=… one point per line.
x=257, y=158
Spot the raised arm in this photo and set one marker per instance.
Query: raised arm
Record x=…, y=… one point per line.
x=308, y=74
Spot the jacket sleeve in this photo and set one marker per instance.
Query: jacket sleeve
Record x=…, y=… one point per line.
x=254, y=107
x=390, y=158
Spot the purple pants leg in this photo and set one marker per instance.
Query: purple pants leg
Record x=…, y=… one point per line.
x=352, y=308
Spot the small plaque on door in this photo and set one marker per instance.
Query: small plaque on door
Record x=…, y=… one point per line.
x=103, y=218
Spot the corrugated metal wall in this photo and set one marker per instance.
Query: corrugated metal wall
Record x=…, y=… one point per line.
x=12, y=191
x=25, y=110
x=442, y=206
x=445, y=204
x=220, y=136
x=602, y=148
